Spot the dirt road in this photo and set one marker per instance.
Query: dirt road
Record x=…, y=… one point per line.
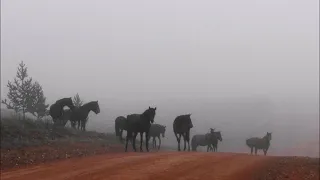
x=157, y=165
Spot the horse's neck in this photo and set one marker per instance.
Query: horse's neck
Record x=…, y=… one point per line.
x=266, y=139
x=144, y=118
x=85, y=109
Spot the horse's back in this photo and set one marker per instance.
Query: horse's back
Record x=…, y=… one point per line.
x=200, y=139
x=254, y=141
x=120, y=120
x=135, y=123
x=155, y=129
x=133, y=118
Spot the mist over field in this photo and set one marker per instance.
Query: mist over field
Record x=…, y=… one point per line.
x=243, y=67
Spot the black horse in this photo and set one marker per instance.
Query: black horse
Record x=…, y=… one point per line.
x=259, y=143
x=56, y=109
x=214, y=143
x=181, y=126
x=80, y=114
x=65, y=117
x=139, y=123
x=155, y=131
x=120, y=125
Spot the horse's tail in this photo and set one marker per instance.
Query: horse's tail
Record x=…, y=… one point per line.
x=194, y=144
x=117, y=128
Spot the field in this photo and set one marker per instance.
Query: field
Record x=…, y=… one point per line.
x=28, y=151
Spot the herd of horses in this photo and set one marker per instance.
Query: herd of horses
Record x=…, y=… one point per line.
x=143, y=123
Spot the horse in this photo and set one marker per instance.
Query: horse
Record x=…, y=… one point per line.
x=65, y=117
x=56, y=109
x=259, y=143
x=120, y=125
x=139, y=123
x=202, y=140
x=80, y=114
x=214, y=144
x=181, y=126
x=155, y=131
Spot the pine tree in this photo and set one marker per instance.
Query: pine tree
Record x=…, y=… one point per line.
x=37, y=106
x=77, y=100
x=24, y=95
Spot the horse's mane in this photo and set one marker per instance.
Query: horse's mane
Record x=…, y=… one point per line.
x=88, y=103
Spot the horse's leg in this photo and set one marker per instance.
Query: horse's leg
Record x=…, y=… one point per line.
x=147, y=141
x=153, y=142
x=159, y=142
x=78, y=124
x=127, y=139
x=188, y=140
x=141, y=140
x=265, y=152
x=120, y=135
x=178, y=136
x=185, y=142
x=255, y=150
x=134, y=141
x=179, y=142
x=84, y=125
x=251, y=150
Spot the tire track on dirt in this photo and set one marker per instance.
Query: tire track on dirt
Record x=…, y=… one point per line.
x=155, y=167
x=189, y=170
x=120, y=167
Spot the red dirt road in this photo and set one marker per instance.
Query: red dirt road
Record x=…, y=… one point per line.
x=153, y=165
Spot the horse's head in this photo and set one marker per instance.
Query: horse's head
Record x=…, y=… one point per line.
x=269, y=136
x=218, y=135
x=163, y=130
x=150, y=113
x=188, y=118
x=212, y=130
x=95, y=107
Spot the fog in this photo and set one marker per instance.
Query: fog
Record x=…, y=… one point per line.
x=242, y=67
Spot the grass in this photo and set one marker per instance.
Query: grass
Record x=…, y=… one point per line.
x=17, y=132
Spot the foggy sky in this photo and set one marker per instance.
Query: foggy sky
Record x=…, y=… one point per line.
x=156, y=50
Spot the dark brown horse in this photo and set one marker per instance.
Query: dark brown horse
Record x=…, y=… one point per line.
x=120, y=125
x=259, y=143
x=56, y=109
x=80, y=114
x=139, y=123
x=181, y=127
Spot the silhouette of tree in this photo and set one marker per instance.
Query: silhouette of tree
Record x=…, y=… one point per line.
x=38, y=106
x=24, y=95
x=77, y=100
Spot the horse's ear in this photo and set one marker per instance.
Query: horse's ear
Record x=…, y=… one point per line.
x=149, y=107
x=165, y=126
x=155, y=108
